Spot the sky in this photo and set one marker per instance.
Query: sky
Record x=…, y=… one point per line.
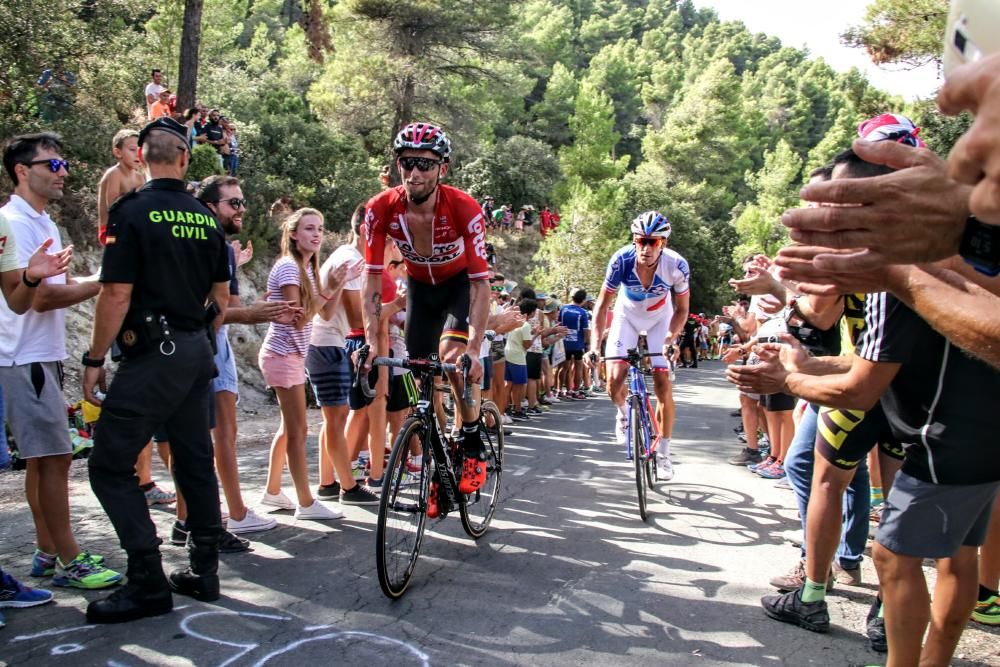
x=817, y=27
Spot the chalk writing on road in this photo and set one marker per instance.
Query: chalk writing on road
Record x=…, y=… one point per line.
x=204, y=626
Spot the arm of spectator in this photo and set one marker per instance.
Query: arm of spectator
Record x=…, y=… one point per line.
x=965, y=313
x=916, y=214
x=821, y=312
x=41, y=265
x=396, y=305
x=260, y=311
x=975, y=87
x=76, y=290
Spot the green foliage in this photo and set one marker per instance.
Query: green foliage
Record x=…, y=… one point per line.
x=204, y=163
x=519, y=170
x=590, y=159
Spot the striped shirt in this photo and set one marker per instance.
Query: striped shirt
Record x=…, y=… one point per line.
x=941, y=404
x=285, y=339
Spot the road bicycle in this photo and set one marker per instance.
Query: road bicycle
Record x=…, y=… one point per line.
x=642, y=434
x=406, y=503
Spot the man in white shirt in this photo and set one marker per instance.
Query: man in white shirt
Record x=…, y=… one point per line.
x=153, y=90
x=32, y=349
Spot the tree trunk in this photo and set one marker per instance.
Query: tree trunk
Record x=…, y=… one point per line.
x=404, y=115
x=187, y=79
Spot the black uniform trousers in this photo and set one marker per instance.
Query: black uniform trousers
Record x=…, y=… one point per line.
x=150, y=391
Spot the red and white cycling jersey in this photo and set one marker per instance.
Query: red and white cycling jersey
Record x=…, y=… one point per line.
x=458, y=237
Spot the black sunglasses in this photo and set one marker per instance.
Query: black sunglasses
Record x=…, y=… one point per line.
x=54, y=164
x=421, y=163
x=645, y=241
x=234, y=202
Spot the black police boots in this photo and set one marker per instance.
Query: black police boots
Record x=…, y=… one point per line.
x=146, y=593
x=201, y=579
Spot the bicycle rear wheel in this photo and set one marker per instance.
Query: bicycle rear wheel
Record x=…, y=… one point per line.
x=637, y=436
x=402, y=510
x=478, y=508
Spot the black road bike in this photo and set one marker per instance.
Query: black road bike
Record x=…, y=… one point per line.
x=407, y=485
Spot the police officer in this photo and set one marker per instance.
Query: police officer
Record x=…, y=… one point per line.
x=165, y=258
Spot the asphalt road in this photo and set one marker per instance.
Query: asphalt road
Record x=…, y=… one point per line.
x=567, y=575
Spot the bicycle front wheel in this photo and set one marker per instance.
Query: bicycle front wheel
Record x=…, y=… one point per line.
x=637, y=437
x=402, y=510
x=478, y=508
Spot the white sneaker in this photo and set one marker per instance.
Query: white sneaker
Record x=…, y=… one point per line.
x=664, y=467
x=317, y=512
x=507, y=420
x=276, y=501
x=621, y=426
x=251, y=523
x=554, y=399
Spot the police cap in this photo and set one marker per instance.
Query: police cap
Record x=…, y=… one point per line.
x=166, y=124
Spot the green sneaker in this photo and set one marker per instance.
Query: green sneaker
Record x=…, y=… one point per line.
x=44, y=565
x=84, y=572
x=988, y=612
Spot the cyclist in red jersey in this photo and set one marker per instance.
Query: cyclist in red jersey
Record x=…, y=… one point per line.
x=442, y=236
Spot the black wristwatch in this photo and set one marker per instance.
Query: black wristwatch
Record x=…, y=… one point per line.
x=91, y=363
x=980, y=246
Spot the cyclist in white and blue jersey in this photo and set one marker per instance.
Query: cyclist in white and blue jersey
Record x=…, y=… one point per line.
x=653, y=296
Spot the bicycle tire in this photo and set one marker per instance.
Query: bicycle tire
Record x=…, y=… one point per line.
x=477, y=509
x=402, y=512
x=637, y=439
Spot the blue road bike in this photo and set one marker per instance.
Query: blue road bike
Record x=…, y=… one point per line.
x=641, y=434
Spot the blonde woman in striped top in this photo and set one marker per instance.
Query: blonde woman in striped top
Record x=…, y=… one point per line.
x=282, y=361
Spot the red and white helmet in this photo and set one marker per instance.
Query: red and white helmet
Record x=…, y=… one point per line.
x=891, y=127
x=423, y=137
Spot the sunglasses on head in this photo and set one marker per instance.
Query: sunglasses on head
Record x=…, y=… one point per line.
x=420, y=163
x=646, y=241
x=235, y=202
x=54, y=164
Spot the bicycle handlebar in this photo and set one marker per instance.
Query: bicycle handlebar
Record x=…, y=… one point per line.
x=432, y=365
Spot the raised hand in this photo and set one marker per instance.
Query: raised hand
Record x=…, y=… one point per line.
x=243, y=254
x=42, y=264
x=975, y=87
x=280, y=312
x=915, y=214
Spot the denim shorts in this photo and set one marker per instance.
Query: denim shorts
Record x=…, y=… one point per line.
x=225, y=363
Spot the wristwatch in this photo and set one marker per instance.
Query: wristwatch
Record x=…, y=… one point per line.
x=91, y=363
x=980, y=246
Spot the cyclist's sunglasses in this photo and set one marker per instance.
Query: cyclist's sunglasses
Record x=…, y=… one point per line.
x=54, y=164
x=646, y=241
x=235, y=202
x=421, y=163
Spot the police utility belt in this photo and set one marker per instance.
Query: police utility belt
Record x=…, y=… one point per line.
x=146, y=331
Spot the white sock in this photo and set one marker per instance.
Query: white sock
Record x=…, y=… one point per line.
x=664, y=446
x=621, y=411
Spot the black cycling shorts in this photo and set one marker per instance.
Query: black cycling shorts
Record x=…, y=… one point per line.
x=844, y=437
x=435, y=313
x=574, y=354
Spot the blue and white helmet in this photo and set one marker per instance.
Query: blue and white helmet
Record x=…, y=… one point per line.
x=651, y=224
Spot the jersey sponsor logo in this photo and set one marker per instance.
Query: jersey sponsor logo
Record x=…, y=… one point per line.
x=370, y=226
x=479, y=237
x=394, y=226
x=440, y=253
x=683, y=267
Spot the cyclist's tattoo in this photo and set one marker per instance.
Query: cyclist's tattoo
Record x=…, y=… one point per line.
x=377, y=304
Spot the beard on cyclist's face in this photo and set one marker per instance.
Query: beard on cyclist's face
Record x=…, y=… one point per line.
x=417, y=183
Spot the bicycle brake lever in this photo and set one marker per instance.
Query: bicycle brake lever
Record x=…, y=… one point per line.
x=466, y=362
